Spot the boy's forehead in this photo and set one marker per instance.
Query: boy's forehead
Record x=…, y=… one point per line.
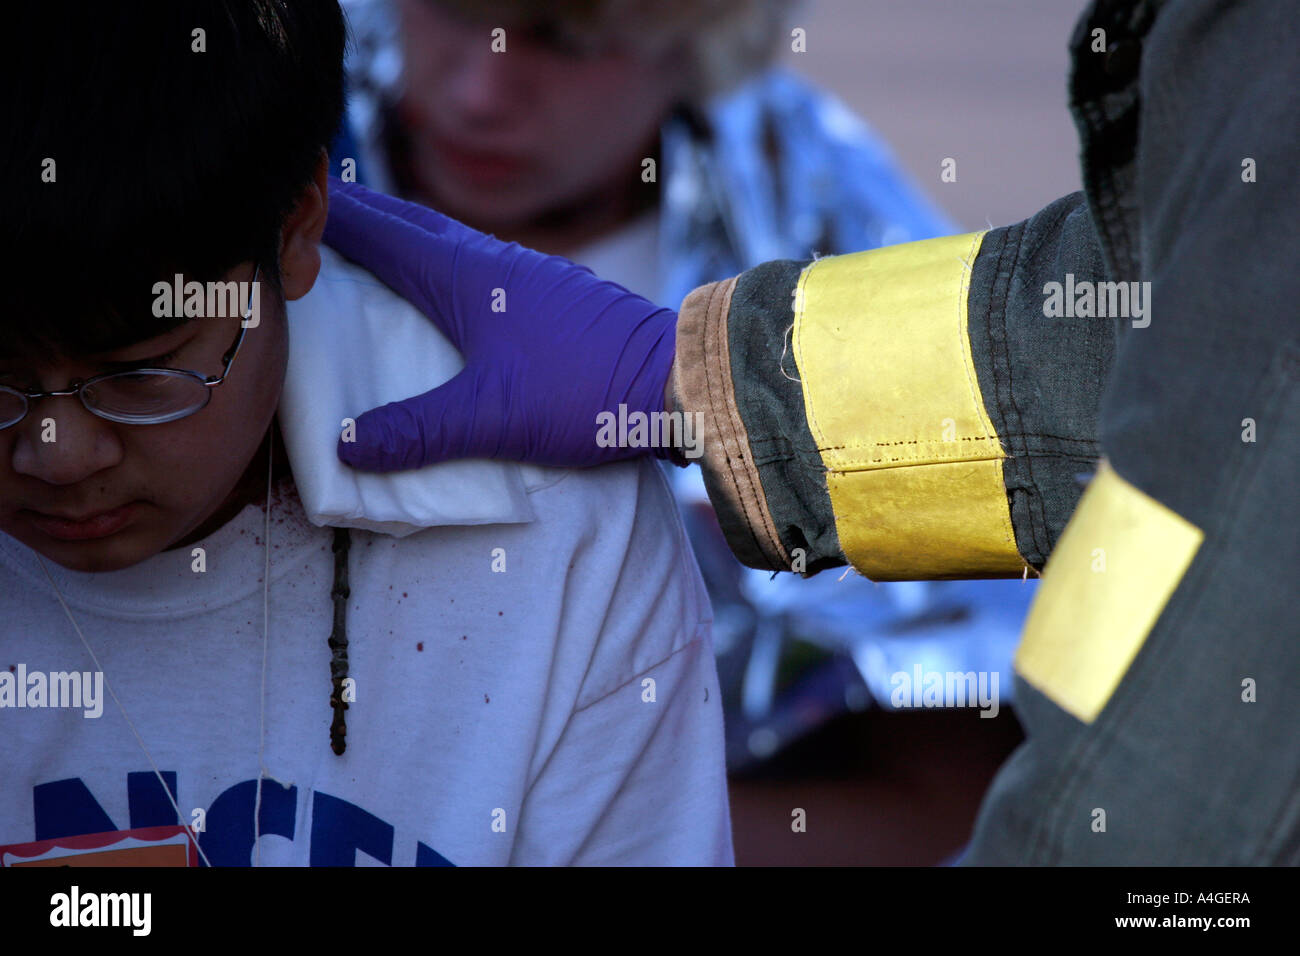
x=89, y=343
x=95, y=316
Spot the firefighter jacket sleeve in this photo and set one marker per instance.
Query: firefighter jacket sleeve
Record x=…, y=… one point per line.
x=924, y=410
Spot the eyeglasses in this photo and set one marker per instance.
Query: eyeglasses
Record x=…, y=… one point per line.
x=138, y=396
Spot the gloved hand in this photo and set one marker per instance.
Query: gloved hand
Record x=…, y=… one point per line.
x=548, y=346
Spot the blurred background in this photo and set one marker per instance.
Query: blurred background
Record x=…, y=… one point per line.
x=983, y=82
x=770, y=129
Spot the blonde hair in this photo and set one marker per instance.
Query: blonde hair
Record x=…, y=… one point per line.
x=721, y=42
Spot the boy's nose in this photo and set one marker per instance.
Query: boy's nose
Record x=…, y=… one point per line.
x=61, y=443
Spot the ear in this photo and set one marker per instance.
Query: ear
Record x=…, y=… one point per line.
x=301, y=233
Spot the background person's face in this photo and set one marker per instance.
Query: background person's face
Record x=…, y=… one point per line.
x=498, y=138
x=173, y=476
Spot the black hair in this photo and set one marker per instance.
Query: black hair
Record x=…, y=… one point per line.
x=174, y=150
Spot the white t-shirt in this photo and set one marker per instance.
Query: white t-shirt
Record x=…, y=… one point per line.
x=562, y=711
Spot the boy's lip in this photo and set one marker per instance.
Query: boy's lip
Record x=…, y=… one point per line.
x=99, y=524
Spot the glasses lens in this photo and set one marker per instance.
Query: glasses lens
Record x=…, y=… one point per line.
x=12, y=407
x=146, y=396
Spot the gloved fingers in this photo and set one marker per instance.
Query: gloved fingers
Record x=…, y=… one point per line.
x=413, y=262
x=428, y=219
x=435, y=222
x=438, y=425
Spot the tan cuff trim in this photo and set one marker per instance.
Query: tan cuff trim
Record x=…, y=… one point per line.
x=701, y=382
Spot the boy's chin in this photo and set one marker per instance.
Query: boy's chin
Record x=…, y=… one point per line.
x=115, y=552
x=97, y=557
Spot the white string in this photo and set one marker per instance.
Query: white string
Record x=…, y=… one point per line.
x=98, y=667
x=266, y=614
x=785, y=347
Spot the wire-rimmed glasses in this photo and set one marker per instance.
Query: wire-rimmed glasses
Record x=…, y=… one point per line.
x=137, y=396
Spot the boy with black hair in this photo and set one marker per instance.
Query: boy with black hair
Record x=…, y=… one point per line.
x=518, y=666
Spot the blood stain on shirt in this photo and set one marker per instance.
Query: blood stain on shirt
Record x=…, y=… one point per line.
x=420, y=646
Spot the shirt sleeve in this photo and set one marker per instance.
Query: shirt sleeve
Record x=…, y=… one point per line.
x=631, y=768
x=638, y=776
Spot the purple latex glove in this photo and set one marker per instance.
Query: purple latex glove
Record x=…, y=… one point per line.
x=566, y=347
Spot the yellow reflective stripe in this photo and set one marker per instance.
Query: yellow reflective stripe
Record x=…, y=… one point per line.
x=1105, y=585
x=914, y=467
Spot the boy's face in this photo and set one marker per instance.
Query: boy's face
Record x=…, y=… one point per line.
x=170, y=480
